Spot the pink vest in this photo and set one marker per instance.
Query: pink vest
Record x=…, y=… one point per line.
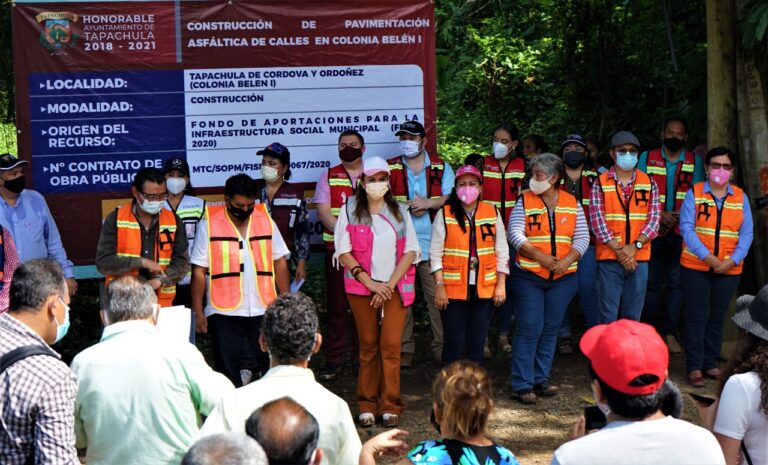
x=361, y=237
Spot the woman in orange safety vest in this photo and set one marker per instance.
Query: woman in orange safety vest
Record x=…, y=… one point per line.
x=469, y=258
x=716, y=225
x=550, y=234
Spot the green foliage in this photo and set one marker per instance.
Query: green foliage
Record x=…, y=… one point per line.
x=555, y=67
x=755, y=26
x=6, y=64
x=8, y=139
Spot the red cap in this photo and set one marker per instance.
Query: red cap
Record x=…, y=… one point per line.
x=623, y=350
x=469, y=169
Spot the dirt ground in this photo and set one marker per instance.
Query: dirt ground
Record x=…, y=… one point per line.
x=532, y=433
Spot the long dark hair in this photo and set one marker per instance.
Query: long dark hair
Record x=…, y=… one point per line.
x=514, y=134
x=361, y=205
x=457, y=209
x=750, y=354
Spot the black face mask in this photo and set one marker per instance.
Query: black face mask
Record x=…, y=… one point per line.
x=240, y=215
x=15, y=185
x=350, y=153
x=673, y=143
x=574, y=159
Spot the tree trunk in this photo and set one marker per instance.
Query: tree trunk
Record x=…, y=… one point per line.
x=721, y=95
x=753, y=147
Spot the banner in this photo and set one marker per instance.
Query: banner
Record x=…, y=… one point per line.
x=107, y=88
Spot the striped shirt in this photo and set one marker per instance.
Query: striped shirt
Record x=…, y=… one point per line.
x=597, y=209
x=516, y=229
x=38, y=403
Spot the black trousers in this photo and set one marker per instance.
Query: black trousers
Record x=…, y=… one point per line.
x=235, y=341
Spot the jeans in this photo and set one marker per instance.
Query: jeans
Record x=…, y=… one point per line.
x=620, y=293
x=707, y=297
x=465, y=326
x=586, y=275
x=507, y=309
x=664, y=267
x=540, y=307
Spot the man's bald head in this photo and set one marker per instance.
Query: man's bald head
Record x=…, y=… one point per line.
x=286, y=430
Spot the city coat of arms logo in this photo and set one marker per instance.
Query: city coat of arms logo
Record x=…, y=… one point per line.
x=57, y=33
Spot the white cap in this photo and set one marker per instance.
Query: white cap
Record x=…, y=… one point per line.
x=375, y=165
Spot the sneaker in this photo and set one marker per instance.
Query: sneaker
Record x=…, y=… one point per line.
x=672, y=345
x=504, y=344
x=390, y=420
x=487, y=351
x=565, y=346
x=406, y=360
x=330, y=372
x=545, y=389
x=366, y=419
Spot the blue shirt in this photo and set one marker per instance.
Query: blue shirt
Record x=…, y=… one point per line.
x=688, y=223
x=417, y=184
x=34, y=231
x=698, y=173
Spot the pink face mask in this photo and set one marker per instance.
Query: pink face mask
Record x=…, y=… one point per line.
x=719, y=176
x=468, y=194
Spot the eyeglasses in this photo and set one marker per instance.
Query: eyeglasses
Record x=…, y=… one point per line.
x=725, y=166
x=154, y=197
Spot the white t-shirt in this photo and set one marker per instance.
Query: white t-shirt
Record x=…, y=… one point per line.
x=740, y=417
x=663, y=441
x=383, y=256
x=250, y=304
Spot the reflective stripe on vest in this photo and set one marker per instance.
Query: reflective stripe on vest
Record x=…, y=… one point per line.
x=625, y=221
x=340, y=186
x=225, y=271
x=552, y=236
x=657, y=170
x=190, y=211
x=129, y=245
x=456, y=253
x=502, y=189
x=717, y=228
x=398, y=179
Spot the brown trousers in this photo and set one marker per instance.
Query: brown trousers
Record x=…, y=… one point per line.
x=378, y=381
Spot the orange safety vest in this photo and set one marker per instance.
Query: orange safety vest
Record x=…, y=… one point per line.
x=501, y=189
x=717, y=228
x=625, y=221
x=552, y=235
x=225, y=268
x=129, y=245
x=456, y=255
x=340, y=184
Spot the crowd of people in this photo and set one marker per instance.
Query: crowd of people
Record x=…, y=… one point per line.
x=520, y=237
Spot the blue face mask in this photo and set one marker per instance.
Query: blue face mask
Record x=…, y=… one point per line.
x=626, y=160
x=61, y=329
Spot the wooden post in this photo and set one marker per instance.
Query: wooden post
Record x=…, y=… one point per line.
x=721, y=79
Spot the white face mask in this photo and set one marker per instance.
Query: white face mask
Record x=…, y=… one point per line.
x=152, y=207
x=269, y=174
x=410, y=148
x=500, y=150
x=175, y=185
x=539, y=187
x=376, y=190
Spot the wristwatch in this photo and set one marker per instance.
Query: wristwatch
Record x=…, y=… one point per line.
x=638, y=245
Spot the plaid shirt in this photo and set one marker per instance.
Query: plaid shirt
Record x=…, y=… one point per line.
x=597, y=210
x=11, y=262
x=38, y=405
